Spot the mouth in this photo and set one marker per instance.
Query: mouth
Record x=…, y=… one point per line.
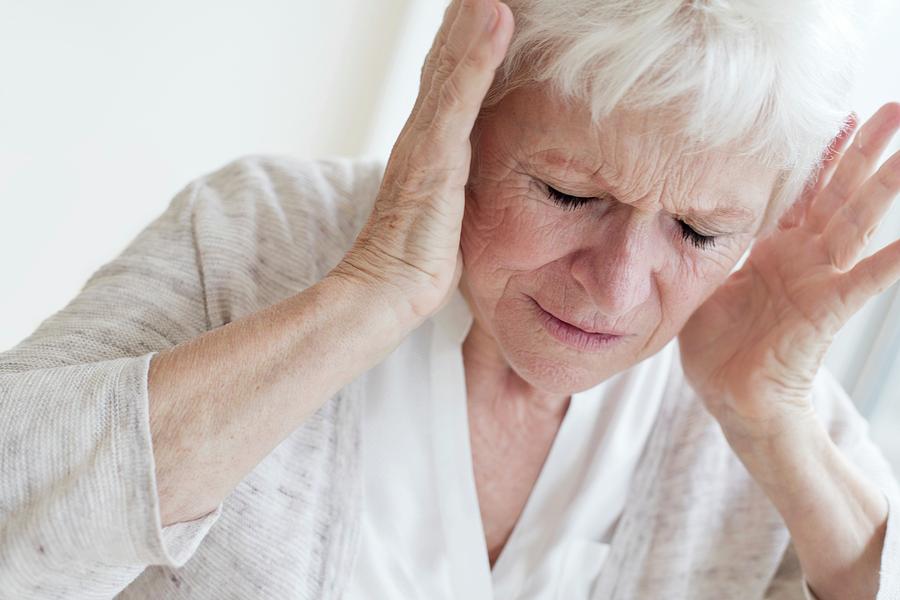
x=574, y=336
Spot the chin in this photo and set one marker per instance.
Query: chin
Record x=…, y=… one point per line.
x=550, y=361
x=559, y=374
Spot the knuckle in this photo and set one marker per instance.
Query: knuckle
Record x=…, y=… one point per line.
x=867, y=236
x=835, y=250
x=838, y=258
x=445, y=62
x=840, y=185
x=414, y=177
x=477, y=59
x=450, y=95
x=851, y=218
x=888, y=180
x=431, y=58
x=845, y=296
x=468, y=9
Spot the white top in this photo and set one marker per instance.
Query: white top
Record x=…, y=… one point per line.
x=422, y=535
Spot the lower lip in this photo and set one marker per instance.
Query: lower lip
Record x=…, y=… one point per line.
x=573, y=336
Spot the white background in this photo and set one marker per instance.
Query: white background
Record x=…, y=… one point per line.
x=108, y=108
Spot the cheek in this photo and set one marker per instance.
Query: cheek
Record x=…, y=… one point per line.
x=689, y=281
x=712, y=266
x=507, y=228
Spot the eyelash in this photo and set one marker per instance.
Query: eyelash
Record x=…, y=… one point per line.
x=569, y=202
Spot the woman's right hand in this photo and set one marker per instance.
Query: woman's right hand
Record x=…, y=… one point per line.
x=409, y=246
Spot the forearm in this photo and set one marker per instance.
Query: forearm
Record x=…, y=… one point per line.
x=219, y=403
x=836, y=516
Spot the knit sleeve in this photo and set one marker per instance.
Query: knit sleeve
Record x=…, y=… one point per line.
x=79, y=511
x=850, y=432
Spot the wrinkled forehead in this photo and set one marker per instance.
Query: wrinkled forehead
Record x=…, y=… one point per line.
x=636, y=156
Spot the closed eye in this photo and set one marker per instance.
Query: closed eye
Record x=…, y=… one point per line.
x=567, y=201
x=697, y=239
x=688, y=233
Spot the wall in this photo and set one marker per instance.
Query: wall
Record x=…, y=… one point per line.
x=108, y=108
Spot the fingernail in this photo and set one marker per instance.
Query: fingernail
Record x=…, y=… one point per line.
x=495, y=16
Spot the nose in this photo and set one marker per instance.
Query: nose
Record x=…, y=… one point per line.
x=617, y=271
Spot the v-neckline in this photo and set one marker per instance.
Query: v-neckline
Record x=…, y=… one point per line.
x=504, y=566
x=463, y=529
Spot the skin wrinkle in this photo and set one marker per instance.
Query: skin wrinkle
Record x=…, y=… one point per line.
x=512, y=233
x=617, y=262
x=737, y=217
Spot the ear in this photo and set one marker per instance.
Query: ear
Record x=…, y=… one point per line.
x=830, y=158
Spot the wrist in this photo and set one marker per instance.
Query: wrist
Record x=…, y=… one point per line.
x=384, y=303
x=775, y=426
x=780, y=451
x=825, y=501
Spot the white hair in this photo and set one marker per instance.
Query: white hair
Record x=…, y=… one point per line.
x=769, y=76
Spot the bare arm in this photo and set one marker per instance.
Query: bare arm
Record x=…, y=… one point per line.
x=223, y=400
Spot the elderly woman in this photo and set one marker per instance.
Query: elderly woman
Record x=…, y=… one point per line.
x=521, y=360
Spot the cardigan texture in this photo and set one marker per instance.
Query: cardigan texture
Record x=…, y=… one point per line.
x=79, y=512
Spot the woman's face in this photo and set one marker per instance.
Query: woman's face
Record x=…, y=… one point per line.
x=619, y=262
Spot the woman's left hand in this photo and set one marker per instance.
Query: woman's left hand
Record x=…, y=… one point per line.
x=754, y=347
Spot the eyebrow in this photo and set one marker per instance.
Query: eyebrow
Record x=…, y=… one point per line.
x=736, y=212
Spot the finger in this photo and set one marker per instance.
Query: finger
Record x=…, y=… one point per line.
x=452, y=41
x=856, y=165
x=834, y=153
x=440, y=39
x=870, y=277
x=454, y=100
x=796, y=214
x=850, y=231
